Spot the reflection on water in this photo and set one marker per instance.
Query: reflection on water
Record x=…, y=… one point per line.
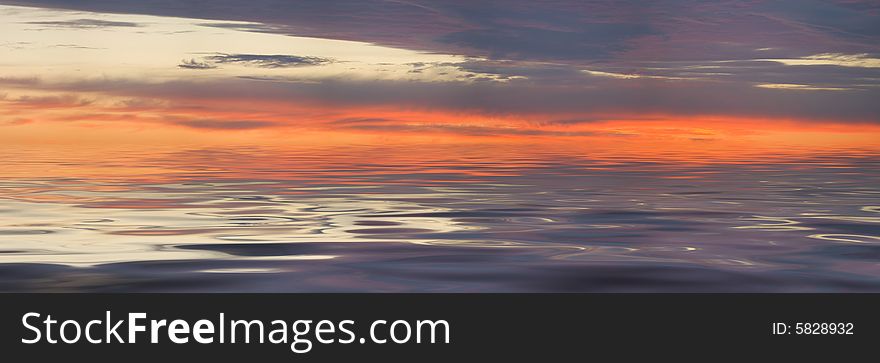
x=441, y=218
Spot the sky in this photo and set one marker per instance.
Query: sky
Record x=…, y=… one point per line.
x=105, y=71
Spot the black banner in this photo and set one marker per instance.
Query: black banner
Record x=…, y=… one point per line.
x=400, y=327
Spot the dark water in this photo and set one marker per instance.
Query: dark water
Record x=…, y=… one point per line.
x=442, y=219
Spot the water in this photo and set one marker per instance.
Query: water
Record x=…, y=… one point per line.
x=442, y=218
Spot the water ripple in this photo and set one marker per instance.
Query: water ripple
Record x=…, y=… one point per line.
x=435, y=219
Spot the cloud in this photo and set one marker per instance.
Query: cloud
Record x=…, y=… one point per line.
x=629, y=75
x=562, y=60
x=591, y=41
x=245, y=26
x=16, y=45
x=863, y=60
x=525, y=99
x=225, y=124
x=802, y=87
x=611, y=74
x=268, y=60
x=86, y=24
x=381, y=124
x=598, y=118
x=45, y=102
x=195, y=64
x=362, y=121
x=814, y=73
x=20, y=81
x=560, y=30
x=253, y=60
x=470, y=130
x=838, y=18
x=17, y=122
x=75, y=46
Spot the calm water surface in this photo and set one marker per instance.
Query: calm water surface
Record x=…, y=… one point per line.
x=436, y=218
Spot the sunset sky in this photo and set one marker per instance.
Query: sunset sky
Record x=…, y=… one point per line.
x=110, y=71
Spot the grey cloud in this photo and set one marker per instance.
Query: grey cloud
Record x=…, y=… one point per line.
x=550, y=43
x=762, y=71
x=75, y=46
x=526, y=29
x=250, y=27
x=540, y=101
x=540, y=72
x=20, y=81
x=844, y=18
x=593, y=41
x=195, y=64
x=86, y=24
x=268, y=60
x=572, y=31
